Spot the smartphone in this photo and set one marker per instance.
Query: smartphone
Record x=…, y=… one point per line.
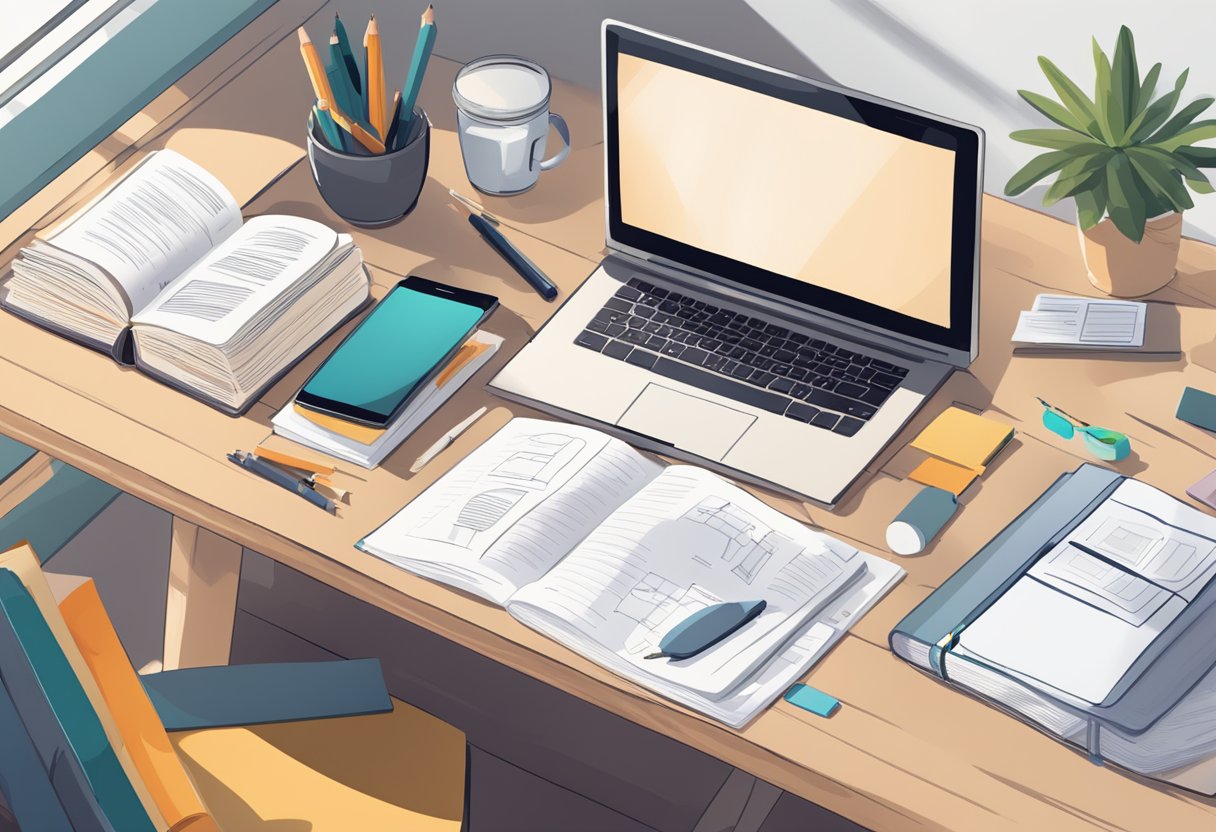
x=404, y=343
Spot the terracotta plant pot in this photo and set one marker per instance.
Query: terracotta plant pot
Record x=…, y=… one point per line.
x=1119, y=267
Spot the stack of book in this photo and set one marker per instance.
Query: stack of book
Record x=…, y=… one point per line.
x=161, y=272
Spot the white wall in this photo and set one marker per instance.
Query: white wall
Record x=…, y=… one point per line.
x=960, y=58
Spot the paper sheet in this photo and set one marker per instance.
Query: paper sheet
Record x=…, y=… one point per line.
x=1089, y=322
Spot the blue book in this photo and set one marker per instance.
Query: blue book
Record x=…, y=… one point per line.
x=59, y=718
x=928, y=637
x=23, y=779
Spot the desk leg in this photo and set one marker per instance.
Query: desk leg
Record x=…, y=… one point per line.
x=204, y=571
x=22, y=483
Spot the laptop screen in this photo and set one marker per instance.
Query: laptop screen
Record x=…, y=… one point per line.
x=837, y=202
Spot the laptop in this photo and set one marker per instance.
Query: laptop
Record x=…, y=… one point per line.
x=793, y=270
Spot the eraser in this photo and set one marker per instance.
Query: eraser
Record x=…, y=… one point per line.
x=810, y=699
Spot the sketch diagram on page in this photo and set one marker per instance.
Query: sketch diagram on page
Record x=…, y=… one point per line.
x=652, y=601
x=527, y=471
x=745, y=539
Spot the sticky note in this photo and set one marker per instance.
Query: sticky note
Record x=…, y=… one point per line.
x=944, y=475
x=963, y=438
x=810, y=699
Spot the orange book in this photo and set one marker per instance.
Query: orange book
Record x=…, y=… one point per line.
x=141, y=729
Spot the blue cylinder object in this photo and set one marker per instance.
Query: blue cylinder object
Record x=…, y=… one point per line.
x=920, y=521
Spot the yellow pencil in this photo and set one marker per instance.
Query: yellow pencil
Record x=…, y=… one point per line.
x=316, y=69
x=375, y=79
x=353, y=127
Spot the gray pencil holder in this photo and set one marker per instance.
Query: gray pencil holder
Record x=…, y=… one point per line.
x=920, y=521
x=371, y=191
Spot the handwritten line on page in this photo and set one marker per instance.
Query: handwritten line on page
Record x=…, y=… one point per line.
x=1083, y=322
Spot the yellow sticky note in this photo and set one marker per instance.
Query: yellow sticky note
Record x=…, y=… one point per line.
x=964, y=438
x=942, y=474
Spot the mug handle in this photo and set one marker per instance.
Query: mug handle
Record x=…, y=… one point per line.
x=559, y=124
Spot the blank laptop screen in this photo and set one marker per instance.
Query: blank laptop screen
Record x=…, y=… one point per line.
x=821, y=196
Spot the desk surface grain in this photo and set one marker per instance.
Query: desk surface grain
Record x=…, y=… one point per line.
x=904, y=752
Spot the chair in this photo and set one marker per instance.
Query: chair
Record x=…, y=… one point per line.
x=293, y=747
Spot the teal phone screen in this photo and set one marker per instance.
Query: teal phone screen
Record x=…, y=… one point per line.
x=401, y=341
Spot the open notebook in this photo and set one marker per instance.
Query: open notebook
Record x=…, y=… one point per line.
x=605, y=549
x=161, y=262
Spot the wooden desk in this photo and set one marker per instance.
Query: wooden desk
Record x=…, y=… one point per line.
x=904, y=752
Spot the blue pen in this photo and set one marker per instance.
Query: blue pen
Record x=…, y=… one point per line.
x=281, y=478
x=526, y=268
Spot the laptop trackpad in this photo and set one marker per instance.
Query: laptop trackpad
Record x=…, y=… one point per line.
x=690, y=423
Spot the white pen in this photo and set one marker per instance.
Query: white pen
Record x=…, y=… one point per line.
x=445, y=440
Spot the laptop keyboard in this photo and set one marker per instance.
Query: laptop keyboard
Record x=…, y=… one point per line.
x=742, y=357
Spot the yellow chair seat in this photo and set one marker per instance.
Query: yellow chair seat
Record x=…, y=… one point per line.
x=403, y=770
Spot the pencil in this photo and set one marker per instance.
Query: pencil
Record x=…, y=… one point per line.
x=320, y=112
x=394, y=122
x=325, y=118
x=374, y=72
x=348, y=55
x=418, y=64
x=316, y=69
x=356, y=129
x=346, y=97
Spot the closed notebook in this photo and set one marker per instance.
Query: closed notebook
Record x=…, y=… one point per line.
x=26, y=784
x=141, y=728
x=24, y=563
x=61, y=720
x=964, y=438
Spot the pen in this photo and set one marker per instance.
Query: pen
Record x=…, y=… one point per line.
x=445, y=440
x=280, y=478
x=526, y=268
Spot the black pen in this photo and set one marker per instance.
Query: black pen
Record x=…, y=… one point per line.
x=528, y=270
x=281, y=478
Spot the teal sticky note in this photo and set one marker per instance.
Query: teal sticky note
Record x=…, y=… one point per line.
x=1198, y=408
x=810, y=699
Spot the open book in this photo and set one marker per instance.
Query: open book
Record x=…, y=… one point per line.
x=214, y=307
x=605, y=549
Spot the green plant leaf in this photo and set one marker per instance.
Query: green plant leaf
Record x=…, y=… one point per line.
x=1126, y=202
x=1037, y=168
x=1078, y=175
x=1200, y=157
x=1145, y=96
x=1181, y=161
x=1054, y=111
x=1181, y=120
x=1106, y=108
x=1125, y=81
x=1071, y=96
x=1157, y=112
x=1055, y=139
x=1091, y=206
x=1161, y=177
x=1197, y=132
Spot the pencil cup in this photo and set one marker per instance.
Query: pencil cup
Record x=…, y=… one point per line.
x=371, y=190
x=920, y=521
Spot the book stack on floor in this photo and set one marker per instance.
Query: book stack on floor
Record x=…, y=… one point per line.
x=606, y=550
x=1091, y=618
x=368, y=446
x=159, y=271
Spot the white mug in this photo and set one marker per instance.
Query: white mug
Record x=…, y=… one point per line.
x=502, y=112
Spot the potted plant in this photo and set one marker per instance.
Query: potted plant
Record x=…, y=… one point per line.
x=1123, y=156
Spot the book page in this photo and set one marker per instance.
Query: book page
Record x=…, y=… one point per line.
x=150, y=227
x=510, y=510
x=242, y=276
x=686, y=541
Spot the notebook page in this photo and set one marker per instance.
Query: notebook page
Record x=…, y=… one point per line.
x=1065, y=319
x=686, y=541
x=151, y=226
x=240, y=277
x=510, y=510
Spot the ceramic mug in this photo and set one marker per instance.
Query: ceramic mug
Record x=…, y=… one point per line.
x=503, y=120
